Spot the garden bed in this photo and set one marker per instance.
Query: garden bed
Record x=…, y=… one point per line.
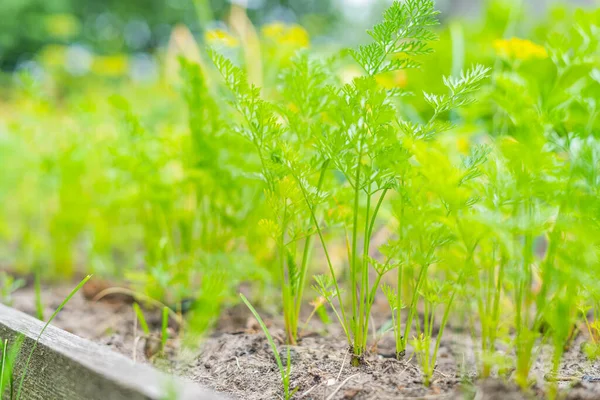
x=236, y=359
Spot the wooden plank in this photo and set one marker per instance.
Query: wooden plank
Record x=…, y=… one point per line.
x=67, y=367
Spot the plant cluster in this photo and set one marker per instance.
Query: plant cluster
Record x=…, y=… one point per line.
x=511, y=221
x=333, y=155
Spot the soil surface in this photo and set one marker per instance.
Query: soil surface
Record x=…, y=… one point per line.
x=237, y=359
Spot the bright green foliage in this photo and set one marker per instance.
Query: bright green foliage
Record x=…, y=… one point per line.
x=470, y=196
x=404, y=32
x=357, y=132
x=8, y=356
x=548, y=176
x=290, y=169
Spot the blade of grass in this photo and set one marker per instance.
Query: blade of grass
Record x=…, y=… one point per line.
x=39, y=306
x=140, y=316
x=267, y=334
x=12, y=355
x=3, y=365
x=165, y=332
x=60, y=307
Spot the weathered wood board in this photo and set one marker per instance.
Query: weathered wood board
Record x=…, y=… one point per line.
x=67, y=367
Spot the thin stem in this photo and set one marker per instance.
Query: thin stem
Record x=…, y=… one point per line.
x=496, y=311
x=413, y=304
x=426, y=313
x=438, y=339
x=3, y=361
x=376, y=211
x=353, y=262
x=588, y=326
x=308, y=245
x=371, y=296
x=328, y=258
x=364, y=287
x=287, y=301
x=397, y=328
x=371, y=300
x=39, y=306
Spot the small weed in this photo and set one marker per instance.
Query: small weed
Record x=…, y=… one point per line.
x=9, y=354
x=286, y=370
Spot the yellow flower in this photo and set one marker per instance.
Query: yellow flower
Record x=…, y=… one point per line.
x=293, y=35
x=62, y=26
x=219, y=36
x=113, y=65
x=273, y=30
x=519, y=49
x=297, y=35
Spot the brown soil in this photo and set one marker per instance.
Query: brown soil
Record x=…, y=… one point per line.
x=237, y=359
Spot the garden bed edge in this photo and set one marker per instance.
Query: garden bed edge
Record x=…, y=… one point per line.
x=65, y=366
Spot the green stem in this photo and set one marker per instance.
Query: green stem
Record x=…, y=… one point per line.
x=308, y=245
x=489, y=289
x=288, y=308
x=483, y=316
x=371, y=296
x=353, y=261
x=344, y=320
x=441, y=331
x=413, y=304
x=496, y=310
x=548, y=262
x=397, y=328
x=376, y=211
x=364, y=286
x=523, y=339
x=39, y=305
x=371, y=300
x=426, y=313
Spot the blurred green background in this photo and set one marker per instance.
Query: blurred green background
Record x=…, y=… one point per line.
x=109, y=27
x=100, y=161
x=116, y=26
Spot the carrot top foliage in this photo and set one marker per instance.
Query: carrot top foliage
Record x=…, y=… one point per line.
x=345, y=143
